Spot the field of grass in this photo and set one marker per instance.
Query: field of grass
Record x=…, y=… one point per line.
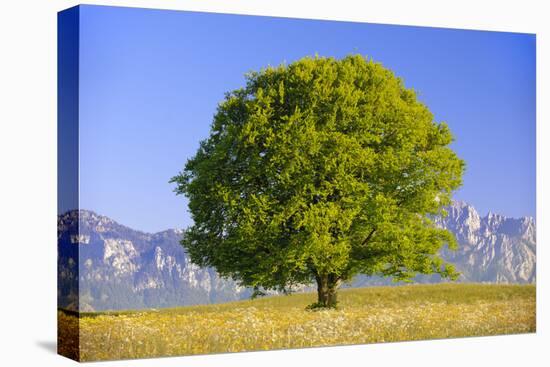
x=366, y=315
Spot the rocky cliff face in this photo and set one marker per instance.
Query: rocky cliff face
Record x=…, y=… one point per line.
x=120, y=268
x=491, y=248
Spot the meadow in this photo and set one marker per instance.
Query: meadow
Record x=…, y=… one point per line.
x=364, y=315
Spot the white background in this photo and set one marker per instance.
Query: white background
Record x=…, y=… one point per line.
x=28, y=182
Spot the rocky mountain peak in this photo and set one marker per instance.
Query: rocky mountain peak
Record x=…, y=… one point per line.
x=105, y=265
x=467, y=214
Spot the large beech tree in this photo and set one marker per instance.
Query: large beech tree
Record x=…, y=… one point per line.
x=317, y=171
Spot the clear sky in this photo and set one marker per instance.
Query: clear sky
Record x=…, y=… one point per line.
x=150, y=81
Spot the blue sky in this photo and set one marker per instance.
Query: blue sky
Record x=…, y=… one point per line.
x=150, y=81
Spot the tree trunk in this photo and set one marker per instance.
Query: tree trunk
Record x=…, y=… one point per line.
x=327, y=286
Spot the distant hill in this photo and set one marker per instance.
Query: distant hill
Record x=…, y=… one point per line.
x=121, y=268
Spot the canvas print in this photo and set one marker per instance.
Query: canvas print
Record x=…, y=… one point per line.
x=232, y=183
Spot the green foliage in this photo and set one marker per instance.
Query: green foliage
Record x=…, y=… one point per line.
x=320, y=306
x=318, y=171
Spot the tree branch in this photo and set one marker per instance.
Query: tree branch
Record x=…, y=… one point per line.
x=366, y=240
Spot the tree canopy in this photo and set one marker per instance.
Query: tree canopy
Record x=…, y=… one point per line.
x=317, y=171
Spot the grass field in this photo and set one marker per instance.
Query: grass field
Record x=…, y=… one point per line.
x=366, y=315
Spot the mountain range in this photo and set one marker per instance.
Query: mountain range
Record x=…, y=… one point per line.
x=103, y=265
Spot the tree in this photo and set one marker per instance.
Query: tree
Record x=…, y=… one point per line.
x=318, y=171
